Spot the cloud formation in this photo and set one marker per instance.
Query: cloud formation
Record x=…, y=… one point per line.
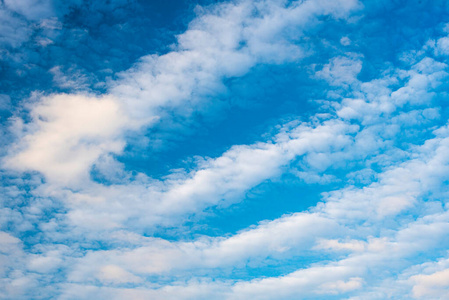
x=84, y=216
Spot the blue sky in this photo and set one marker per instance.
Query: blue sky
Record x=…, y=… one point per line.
x=224, y=150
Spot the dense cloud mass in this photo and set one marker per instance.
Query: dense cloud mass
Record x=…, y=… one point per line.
x=247, y=149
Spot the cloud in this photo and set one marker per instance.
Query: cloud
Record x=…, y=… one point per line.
x=31, y=9
x=433, y=285
x=11, y=271
x=277, y=239
x=74, y=80
x=68, y=133
x=341, y=70
x=14, y=30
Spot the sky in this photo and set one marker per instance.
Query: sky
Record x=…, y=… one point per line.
x=203, y=149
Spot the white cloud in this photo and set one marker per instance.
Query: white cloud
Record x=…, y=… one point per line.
x=341, y=70
x=336, y=245
x=435, y=286
x=13, y=282
x=340, y=286
x=67, y=134
x=116, y=275
x=279, y=238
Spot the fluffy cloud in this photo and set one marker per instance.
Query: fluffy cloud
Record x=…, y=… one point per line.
x=68, y=133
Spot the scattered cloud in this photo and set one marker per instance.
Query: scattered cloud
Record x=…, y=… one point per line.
x=347, y=184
